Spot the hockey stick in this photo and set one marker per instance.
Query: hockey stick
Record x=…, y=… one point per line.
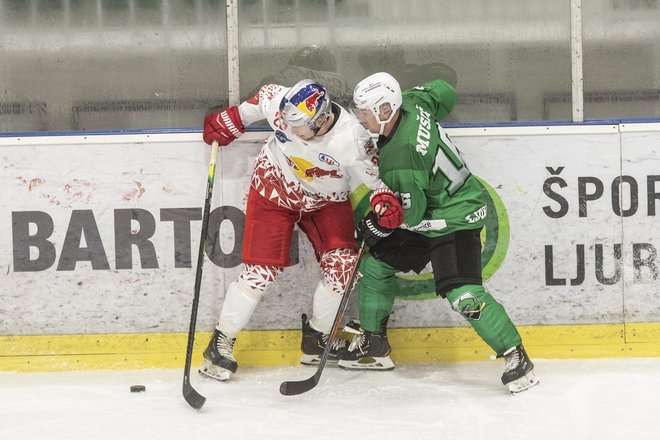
x=193, y=398
x=292, y=388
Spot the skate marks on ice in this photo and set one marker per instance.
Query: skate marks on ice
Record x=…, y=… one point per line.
x=594, y=399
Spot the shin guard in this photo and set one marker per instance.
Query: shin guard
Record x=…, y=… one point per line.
x=486, y=315
x=324, y=308
x=240, y=302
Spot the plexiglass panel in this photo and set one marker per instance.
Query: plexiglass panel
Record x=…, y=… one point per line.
x=621, y=58
x=110, y=64
x=503, y=57
x=121, y=64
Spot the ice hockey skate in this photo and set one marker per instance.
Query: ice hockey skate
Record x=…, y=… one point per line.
x=367, y=351
x=518, y=370
x=219, y=362
x=314, y=342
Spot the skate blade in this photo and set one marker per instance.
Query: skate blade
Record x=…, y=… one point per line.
x=314, y=359
x=368, y=363
x=523, y=384
x=214, y=372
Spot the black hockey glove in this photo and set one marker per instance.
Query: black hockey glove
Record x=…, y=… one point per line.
x=370, y=231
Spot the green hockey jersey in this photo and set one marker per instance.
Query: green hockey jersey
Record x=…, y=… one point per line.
x=418, y=161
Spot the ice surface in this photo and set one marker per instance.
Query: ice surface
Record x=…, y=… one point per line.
x=577, y=399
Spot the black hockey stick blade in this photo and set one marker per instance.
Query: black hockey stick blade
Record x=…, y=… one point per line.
x=193, y=398
x=295, y=387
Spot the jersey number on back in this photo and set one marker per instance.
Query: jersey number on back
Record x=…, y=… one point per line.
x=449, y=162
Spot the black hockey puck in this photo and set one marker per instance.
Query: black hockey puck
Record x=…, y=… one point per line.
x=138, y=388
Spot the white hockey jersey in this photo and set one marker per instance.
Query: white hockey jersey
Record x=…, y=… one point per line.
x=306, y=175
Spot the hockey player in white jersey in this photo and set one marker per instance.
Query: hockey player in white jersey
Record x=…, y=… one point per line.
x=302, y=177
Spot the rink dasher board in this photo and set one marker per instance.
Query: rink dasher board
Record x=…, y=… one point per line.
x=170, y=168
x=274, y=348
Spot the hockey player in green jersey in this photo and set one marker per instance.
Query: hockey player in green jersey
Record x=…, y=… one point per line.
x=444, y=212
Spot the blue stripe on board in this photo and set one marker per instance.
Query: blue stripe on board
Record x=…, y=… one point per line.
x=265, y=128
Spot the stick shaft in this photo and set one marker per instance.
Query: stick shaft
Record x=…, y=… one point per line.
x=195, y=399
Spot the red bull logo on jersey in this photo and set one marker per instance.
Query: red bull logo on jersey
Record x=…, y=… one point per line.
x=316, y=172
x=308, y=171
x=292, y=164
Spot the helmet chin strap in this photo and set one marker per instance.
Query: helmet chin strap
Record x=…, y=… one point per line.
x=381, y=122
x=380, y=130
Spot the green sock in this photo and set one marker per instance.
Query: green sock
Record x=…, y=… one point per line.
x=486, y=315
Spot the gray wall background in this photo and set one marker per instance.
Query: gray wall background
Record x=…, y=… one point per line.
x=137, y=64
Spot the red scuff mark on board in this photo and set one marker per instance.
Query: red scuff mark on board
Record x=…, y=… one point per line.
x=73, y=192
x=135, y=193
x=32, y=183
x=53, y=200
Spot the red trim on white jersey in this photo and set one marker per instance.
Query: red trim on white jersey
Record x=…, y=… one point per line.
x=269, y=182
x=306, y=175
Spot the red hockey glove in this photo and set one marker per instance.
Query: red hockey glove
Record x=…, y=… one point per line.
x=224, y=126
x=387, y=208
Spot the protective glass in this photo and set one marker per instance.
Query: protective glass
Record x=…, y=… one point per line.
x=362, y=114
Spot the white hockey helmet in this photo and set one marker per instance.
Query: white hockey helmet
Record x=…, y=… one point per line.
x=306, y=103
x=374, y=91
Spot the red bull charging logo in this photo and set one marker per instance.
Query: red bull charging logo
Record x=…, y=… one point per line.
x=308, y=99
x=308, y=171
x=316, y=172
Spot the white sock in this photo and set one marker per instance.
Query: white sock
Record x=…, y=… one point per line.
x=240, y=302
x=324, y=308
